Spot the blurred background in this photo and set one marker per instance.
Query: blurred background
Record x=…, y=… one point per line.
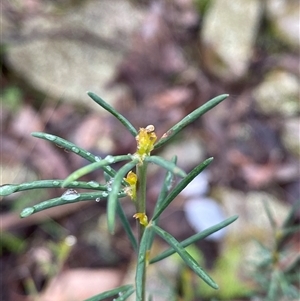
x=155, y=62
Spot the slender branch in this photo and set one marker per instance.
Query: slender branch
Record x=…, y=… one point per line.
x=141, y=208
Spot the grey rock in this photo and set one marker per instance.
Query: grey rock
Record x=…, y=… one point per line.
x=278, y=94
x=228, y=36
x=291, y=135
x=77, y=50
x=249, y=207
x=189, y=151
x=284, y=17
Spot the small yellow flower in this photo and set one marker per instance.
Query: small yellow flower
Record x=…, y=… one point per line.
x=142, y=218
x=131, y=179
x=145, y=140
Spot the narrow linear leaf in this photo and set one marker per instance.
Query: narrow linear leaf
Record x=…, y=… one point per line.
x=293, y=267
x=194, y=173
x=69, y=146
x=125, y=295
x=8, y=189
x=166, y=187
x=198, y=236
x=126, y=226
x=91, y=167
x=289, y=220
x=11, y=188
x=114, y=194
x=141, y=264
x=273, y=288
x=288, y=231
x=110, y=293
x=111, y=110
x=189, y=119
x=187, y=258
x=287, y=225
x=269, y=214
x=168, y=165
x=65, y=144
x=73, y=197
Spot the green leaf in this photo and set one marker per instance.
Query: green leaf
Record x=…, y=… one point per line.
x=189, y=119
x=8, y=189
x=69, y=146
x=187, y=258
x=11, y=188
x=141, y=264
x=66, y=198
x=287, y=226
x=269, y=214
x=198, y=236
x=293, y=267
x=111, y=293
x=111, y=110
x=173, y=194
x=289, y=220
x=126, y=226
x=166, y=187
x=114, y=194
x=91, y=167
x=288, y=231
x=125, y=295
x=168, y=165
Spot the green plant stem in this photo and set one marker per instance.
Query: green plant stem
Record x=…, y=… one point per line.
x=141, y=171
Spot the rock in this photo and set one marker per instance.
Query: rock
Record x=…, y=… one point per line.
x=69, y=53
x=190, y=151
x=290, y=135
x=253, y=221
x=229, y=33
x=202, y=213
x=198, y=187
x=278, y=94
x=284, y=18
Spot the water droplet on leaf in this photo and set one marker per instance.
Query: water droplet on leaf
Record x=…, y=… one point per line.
x=70, y=240
x=110, y=159
x=70, y=194
x=75, y=150
x=98, y=200
x=93, y=184
x=75, y=183
x=55, y=183
x=27, y=211
x=50, y=137
x=97, y=159
x=8, y=189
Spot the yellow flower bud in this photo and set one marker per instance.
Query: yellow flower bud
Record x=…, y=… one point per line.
x=145, y=140
x=131, y=179
x=142, y=218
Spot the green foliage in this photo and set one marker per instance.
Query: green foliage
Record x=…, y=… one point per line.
x=277, y=270
x=11, y=98
x=117, y=186
x=227, y=274
x=11, y=243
